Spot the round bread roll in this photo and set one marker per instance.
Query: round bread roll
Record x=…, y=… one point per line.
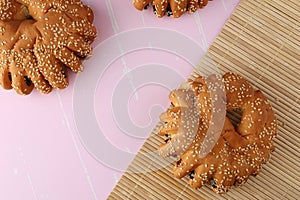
x=40, y=39
x=239, y=151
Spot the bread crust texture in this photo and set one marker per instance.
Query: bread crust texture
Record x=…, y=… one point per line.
x=40, y=40
x=239, y=151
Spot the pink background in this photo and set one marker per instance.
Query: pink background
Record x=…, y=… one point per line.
x=41, y=153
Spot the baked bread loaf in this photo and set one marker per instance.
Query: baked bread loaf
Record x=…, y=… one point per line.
x=174, y=8
x=238, y=152
x=40, y=39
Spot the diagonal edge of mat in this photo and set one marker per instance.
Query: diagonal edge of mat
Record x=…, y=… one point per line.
x=260, y=41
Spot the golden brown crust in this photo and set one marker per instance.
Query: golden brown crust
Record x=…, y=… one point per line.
x=239, y=152
x=39, y=40
x=11, y=10
x=175, y=8
x=140, y=5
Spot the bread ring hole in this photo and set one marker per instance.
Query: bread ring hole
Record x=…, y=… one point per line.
x=154, y=9
x=192, y=174
x=178, y=162
x=9, y=76
x=82, y=57
x=213, y=184
x=235, y=116
x=169, y=11
x=27, y=81
x=64, y=73
x=146, y=7
x=168, y=138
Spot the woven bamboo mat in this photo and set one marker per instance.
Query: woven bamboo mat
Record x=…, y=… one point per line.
x=261, y=41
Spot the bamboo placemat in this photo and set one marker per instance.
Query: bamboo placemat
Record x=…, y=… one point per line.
x=261, y=41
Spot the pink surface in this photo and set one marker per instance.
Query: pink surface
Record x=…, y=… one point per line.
x=43, y=153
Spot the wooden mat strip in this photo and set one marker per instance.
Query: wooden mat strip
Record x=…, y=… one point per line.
x=261, y=41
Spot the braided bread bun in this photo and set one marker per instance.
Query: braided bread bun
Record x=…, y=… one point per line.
x=174, y=8
x=40, y=39
x=238, y=152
